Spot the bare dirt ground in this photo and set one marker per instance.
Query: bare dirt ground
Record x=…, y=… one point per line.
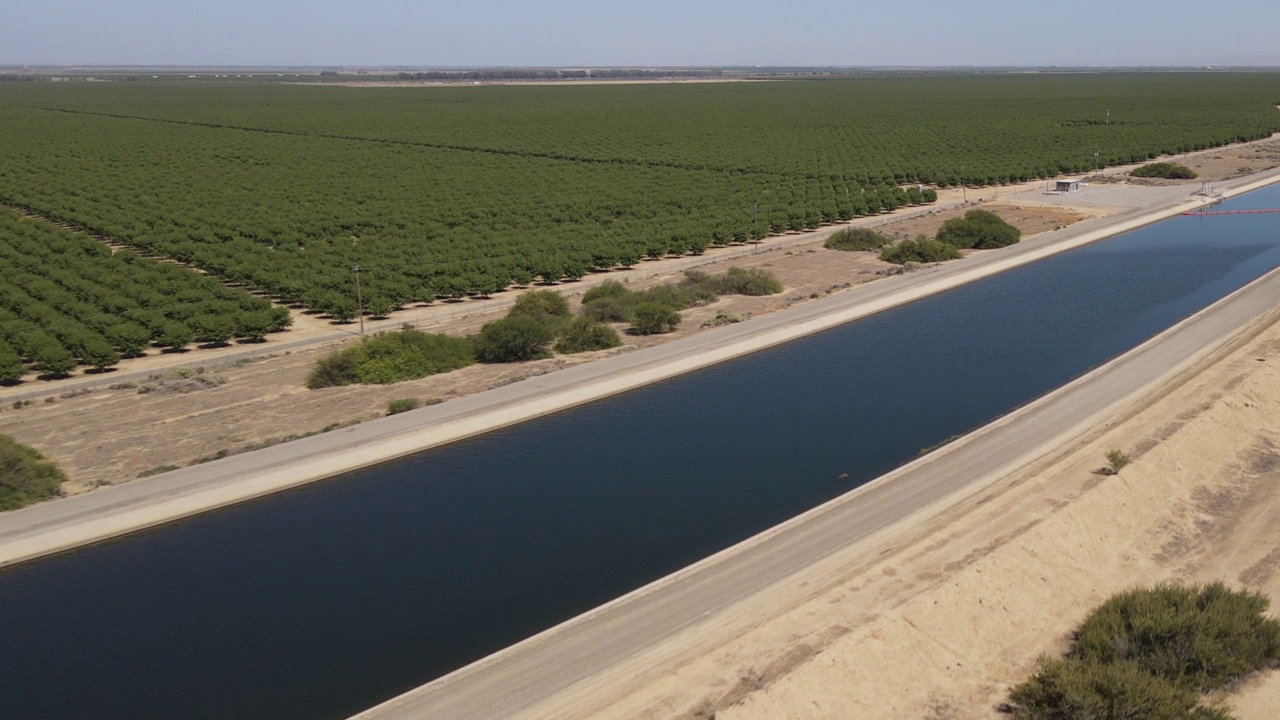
x=940, y=621
x=1224, y=163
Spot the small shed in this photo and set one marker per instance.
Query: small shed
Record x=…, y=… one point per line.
x=1067, y=186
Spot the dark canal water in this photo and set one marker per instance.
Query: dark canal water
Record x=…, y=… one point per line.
x=322, y=601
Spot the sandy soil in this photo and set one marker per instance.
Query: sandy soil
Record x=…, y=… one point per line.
x=1224, y=163
x=938, y=622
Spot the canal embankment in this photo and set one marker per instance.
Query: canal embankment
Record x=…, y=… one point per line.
x=72, y=522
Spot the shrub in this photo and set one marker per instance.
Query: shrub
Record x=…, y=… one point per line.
x=25, y=476
x=157, y=470
x=678, y=296
x=1167, y=170
x=751, y=281
x=653, y=319
x=609, y=309
x=390, y=358
x=546, y=306
x=724, y=317
x=980, y=230
x=1074, y=690
x=919, y=250
x=334, y=369
x=583, y=335
x=606, y=289
x=1151, y=653
x=857, y=239
x=514, y=338
x=1117, y=460
x=1199, y=637
x=395, y=407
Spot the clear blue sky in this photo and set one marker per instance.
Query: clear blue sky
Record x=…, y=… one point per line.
x=663, y=32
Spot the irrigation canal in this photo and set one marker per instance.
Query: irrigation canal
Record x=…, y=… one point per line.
x=325, y=600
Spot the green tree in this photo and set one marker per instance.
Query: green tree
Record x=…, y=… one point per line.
x=54, y=360
x=255, y=326
x=99, y=354
x=213, y=329
x=174, y=335
x=130, y=338
x=11, y=367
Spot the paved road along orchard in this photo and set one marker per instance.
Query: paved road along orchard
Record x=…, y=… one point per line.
x=529, y=673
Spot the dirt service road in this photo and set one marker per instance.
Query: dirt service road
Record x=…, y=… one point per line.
x=518, y=681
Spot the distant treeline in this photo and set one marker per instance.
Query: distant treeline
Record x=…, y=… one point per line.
x=551, y=74
x=18, y=77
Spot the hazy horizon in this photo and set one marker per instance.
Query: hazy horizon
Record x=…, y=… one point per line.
x=714, y=33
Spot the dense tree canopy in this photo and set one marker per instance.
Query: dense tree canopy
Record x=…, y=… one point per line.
x=448, y=192
x=68, y=300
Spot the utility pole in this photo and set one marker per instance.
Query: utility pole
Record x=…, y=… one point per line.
x=1097, y=162
x=359, y=299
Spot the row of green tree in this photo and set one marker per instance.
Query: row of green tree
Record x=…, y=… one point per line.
x=68, y=300
x=464, y=192
x=299, y=243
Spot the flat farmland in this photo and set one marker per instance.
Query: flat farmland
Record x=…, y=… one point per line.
x=449, y=192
